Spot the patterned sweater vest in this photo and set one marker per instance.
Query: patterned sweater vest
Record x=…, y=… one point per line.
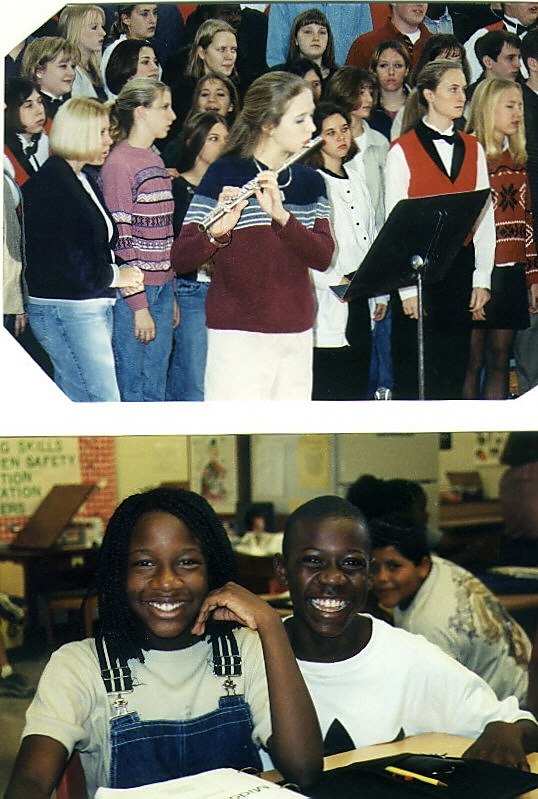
x=426, y=179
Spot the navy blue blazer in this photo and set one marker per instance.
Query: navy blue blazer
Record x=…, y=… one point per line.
x=67, y=246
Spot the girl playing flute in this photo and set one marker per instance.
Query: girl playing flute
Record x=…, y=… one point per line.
x=260, y=305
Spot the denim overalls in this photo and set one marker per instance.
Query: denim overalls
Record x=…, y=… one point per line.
x=143, y=752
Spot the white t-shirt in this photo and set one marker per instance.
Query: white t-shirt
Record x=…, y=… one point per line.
x=400, y=681
x=71, y=704
x=454, y=610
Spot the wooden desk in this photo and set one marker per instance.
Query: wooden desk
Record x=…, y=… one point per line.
x=51, y=569
x=471, y=533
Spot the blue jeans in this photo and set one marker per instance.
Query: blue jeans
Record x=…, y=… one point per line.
x=381, y=363
x=77, y=336
x=187, y=365
x=142, y=368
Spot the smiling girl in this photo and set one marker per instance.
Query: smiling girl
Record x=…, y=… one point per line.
x=496, y=119
x=260, y=308
x=50, y=61
x=172, y=616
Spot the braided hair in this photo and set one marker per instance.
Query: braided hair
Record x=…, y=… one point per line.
x=118, y=624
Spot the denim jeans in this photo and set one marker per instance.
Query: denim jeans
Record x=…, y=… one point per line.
x=381, y=362
x=142, y=368
x=77, y=336
x=187, y=365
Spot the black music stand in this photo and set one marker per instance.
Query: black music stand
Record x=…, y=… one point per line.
x=416, y=245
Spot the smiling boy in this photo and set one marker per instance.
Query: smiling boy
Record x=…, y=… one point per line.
x=372, y=683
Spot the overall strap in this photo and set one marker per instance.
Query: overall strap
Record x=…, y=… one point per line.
x=116, y=674
x=226, y=657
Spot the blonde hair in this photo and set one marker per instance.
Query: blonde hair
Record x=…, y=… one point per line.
x=70, y=24
x=204, y=36
x=481, y=120
x=76, y=130
x=44, y=49
x=135, y=93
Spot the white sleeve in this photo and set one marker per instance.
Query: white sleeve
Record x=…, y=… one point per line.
x=446, y=685
x=397, y=177
x=484, y=236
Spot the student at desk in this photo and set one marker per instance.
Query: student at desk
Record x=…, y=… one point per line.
x=372, y=683
x=170, y=687
x=448, y=605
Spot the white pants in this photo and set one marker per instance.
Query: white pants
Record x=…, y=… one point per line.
x=258, y=366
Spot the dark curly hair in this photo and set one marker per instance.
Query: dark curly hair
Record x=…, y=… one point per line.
x=118, y=625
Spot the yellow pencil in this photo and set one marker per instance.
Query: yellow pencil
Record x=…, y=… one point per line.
x=411, y=775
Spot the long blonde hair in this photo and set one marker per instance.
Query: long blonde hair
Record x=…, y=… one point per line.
x=481, y=120
x=70, y=23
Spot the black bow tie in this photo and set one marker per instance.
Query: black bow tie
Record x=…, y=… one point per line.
x=519, y=29
x=450, y=139
x=30, y=149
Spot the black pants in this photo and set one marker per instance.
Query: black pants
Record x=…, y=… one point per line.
x=447, y=332
x=341, y=373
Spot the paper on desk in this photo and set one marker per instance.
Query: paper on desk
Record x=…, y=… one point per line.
x=222, y=783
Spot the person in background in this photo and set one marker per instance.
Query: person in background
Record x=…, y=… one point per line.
x=260, y=311
x=311, y=37
x=133, y=21
x=496, y=119
x=448, y=605
x=26, y=145
x=83, y=25
x=172, y=614
x=341, y=369
x=406, y=25
x=356, y=91
x=310, y=72
x=205, y=136
x=50, y=62
x=70, y=267
x=132, y=58
x=347, y=20
x=250, y=26
x=361, y=696
x=14, y=307
x=214, y=92
x=391, y=66
x=517, y=18
x=526, y=341
x=440, y=45
x=138, y=193
x=421, y=163
x=214, y=49
x=499, y=55
x=519, y=499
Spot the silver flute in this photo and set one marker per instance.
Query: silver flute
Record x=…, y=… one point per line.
x=250, y=188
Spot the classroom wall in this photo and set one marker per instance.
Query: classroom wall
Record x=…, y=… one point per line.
x=474, y=452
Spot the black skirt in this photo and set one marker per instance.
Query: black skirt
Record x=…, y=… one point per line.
x=508, y=308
